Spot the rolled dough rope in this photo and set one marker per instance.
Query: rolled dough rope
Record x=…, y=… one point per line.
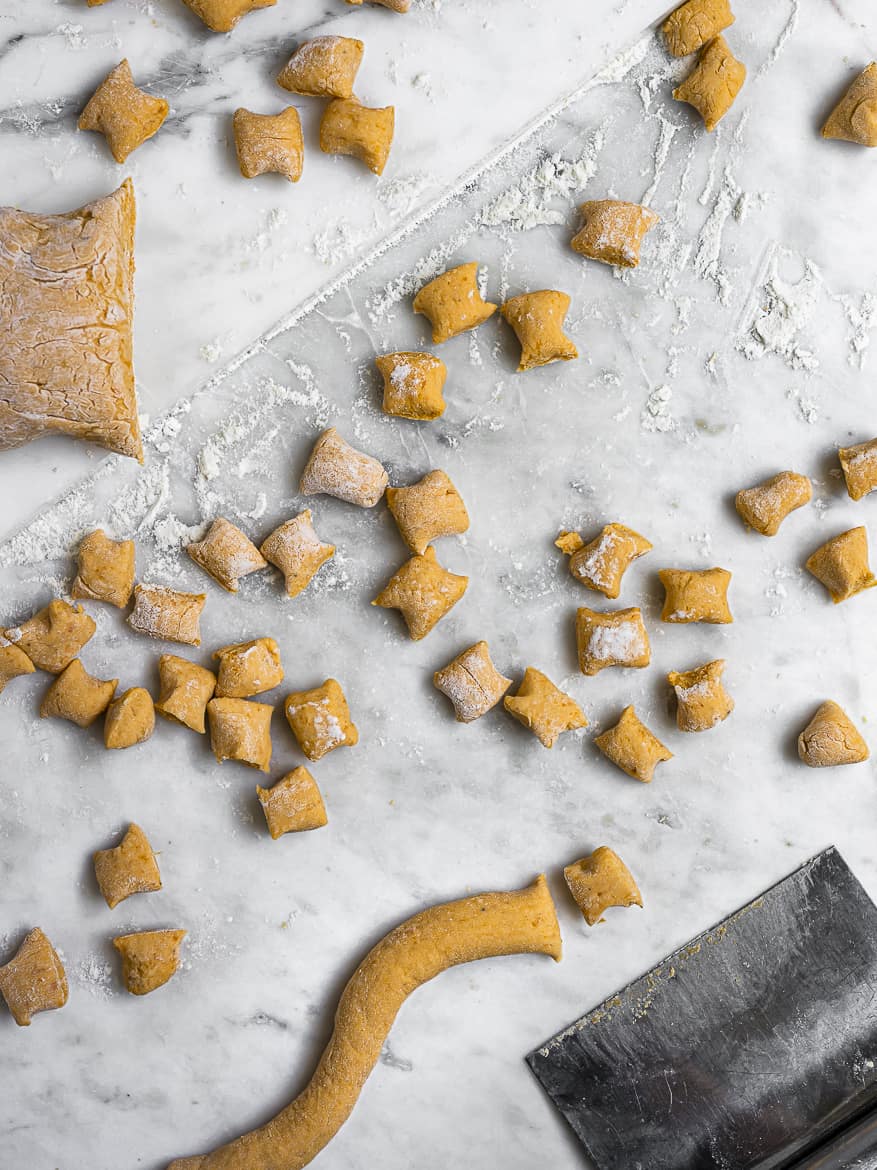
x=519, y=922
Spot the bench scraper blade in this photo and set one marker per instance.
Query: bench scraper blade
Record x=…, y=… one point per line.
x=742, y=1050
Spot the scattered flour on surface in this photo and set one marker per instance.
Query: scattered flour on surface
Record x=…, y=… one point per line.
x=656, y=416
x=782, y=310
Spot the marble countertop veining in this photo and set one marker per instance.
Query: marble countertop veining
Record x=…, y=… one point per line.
x=741, y=345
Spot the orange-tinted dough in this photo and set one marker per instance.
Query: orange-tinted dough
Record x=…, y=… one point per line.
x=241, y=730
x=537, y=319
x=366, y=133
x=602, y=562
x=149, y=959
x=452, y=303
x=54, y=636
x=841, y=564
x=426, y=510
x=612, y=231
x=186, y=689
x=599, y=881
x=34, y=980
x=854, y=118
x=165, y=613
x=423, y=592
x=616, y=638
x=293, y=805
x=412, y=385
x=765, y=506
x=130, y=719
x=334, y=468
x=124, y=114
x=226, y=554
x=702, y=700
x=694, y=23
x=859, y=465
x=831, y=738
x=320, y=719
x=543, y=708
x=105, y=570
x=269, y=143
x=472, y=683
x=297, y=552
x=713, y=83
x=696, y=595
x=77, y=696
x=129, y=868
x=632, y=747
x=248, y=668
x=13, y=662
x=323, y=67
x=223, y=15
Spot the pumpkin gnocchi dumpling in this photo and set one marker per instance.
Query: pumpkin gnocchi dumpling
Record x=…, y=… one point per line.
x=129, y=868
x=612, y=231
x=472, y=683
x=426, y=510
x=632, y=747
x=54, y=636
x=765, y=506
x=841, y=564
x=413, y=384
x=105, y=570
x=423, y=592
x=537, y=319
x=185, y=690
x=831, y=738
x=543, y=708
x=297, y=551
x=364, y=132
x=692, y=24
x=13, y=663
x=323, y=67
x=854, y=118
x=599, y=881
x=124, y=114
x=169, y=614
x=226, y=553
x=602, y=562
x=702, y=701
x=714, y=83
x=334, y=468
x=452, y=303
x=617, y=638
x=293, y=805
x=859, y=465
x=269, y=143
x=76, y=696
x=149, y=958
x=320, y=719
x=223, y=15
x=696, y=595
x=34, y=980
x=240, y=730
x=130, y=719
x=248, y=668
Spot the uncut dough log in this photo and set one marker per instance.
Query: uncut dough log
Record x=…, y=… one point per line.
x=519, y=922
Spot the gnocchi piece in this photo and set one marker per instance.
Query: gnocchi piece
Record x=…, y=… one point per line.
x=632, y=747
x=223, y=15
x=543, y=708
x=694, y=23
x=124, y=114
x=393, y=5
x=765, y=506
x=130, y=719
x=77, y=696
x=602, y=562
x=713, y=83
x=34, y=980
x=320, y=719
x=854, y=118
x=537, y=319
x=248, y=668
x=364, y=132
x=293, y=805
x=859, y=465
x=413, y=385
x=165, y=613
x=323, y=67
x=297, y=552
x=185, y=691
x=54, y=636
x=472, y=683
x=13, y=662
x=617, y=638
x=226, y=554
x=130, y=868
x=841, y=564
x=334, y=468
x=612, y=231
x=241, y=730
x=831, y=738
x=452, y=303
x=702, y=700
x=269, y=143
x=599, y=881
x=426, y=510
x=423, y=591
x=149, y=958
x=696, y=595
x=105, y=570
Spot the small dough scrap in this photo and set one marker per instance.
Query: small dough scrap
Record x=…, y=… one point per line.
x=226, y=554
x=599, y=881
x=365, y=132
x=543, y=708
x=149, y=958
x=241, y=730
x=165, y=613
x=841, y=564
x=223, y=15
x=13, y=662
x=831, y=738
x=130, y=868
x=696, y=595
x=269, y=143
x=77, y=696
x=859, y=465
x=602, y=562
x=130, y=719
x=854, y=118
x=124, y=114
x=702, y=699
x=105, y=570
x=713, y=83
x=34, y=980
x=334, y=468
x=612, y=231
x=692, y=24
x=765, y=506
x=413, y=385
x=54, y=636
x=293, y=805
x=393, y=5
x=423, y=591
x=472, y=683
x=323, y=67
x=452, y=303
x=537, y=319
x=320, y=719
x=426, y=510
x=185, y=691
x=617, y=638
x=297, y=552
x=632, y=747
x=248, y=668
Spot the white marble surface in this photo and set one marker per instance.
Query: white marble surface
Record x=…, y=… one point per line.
x=764, y=227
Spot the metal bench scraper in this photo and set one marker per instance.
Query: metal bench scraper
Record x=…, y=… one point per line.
x=753, y=1047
